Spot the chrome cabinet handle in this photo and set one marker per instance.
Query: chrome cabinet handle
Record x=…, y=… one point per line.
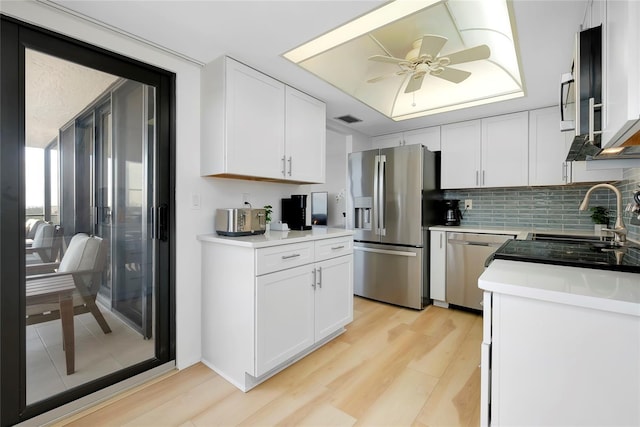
x=441, y=240
x=477, y=182
x=284, y=165
x=592, y=112
x=319, y=277
x=483, y=181
x=290, y=256
x=290, y=163
x=334, y=248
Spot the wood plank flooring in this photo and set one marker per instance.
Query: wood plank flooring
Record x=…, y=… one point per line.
x=392, y=367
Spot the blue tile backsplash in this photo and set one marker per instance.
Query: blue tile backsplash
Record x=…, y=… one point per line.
x=545, y=207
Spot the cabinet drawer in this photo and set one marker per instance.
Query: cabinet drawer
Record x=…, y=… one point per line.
x=331, y=248
x=278, y=258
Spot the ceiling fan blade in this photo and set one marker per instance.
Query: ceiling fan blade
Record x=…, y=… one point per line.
x=415, y=83
x=453, y=75
x=377, y=79
x=468, y=55
x=431, y=45
x=390, y=59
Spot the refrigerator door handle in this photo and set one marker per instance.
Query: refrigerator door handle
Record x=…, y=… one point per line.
x=376, y=195
x=382, y=202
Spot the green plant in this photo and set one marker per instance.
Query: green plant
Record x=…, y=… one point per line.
x=599, y=215
x=267, y=211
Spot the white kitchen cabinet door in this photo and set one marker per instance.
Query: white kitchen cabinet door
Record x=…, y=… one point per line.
x=429, y=137
x=505, y=153
x=333, y=295
x=559, y=365
x=305, y=136
x=621, y=75
x=438, y=271
x=242, y=121
x=387, y=141
x=461, y=155
x=547, y=148
x=284, y=316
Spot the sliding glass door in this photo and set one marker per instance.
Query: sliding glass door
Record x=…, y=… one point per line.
x=86, y=162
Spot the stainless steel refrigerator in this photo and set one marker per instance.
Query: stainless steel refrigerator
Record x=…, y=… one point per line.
x=394, y=198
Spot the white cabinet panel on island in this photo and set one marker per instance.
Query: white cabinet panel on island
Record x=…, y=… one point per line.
x=561, y=346
x=270, y=299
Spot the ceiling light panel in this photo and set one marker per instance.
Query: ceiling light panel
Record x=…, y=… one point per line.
x=394, y=36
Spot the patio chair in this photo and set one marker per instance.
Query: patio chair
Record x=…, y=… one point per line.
x=46, y=244
x=82, y=264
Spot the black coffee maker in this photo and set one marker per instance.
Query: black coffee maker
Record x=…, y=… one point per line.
x=294, y=212
x=452, y=214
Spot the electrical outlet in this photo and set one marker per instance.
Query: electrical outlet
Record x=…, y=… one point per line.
x=468, y=204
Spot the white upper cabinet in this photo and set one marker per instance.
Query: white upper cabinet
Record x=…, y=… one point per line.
x=254, y=126
x=305, y=137
x=387, y=141
x=491, y=152
x=505, y=157
x=429, y=137
x=621, y=79
x=461, y=155
x=547, y=148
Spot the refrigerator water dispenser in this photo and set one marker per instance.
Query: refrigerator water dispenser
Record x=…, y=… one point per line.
x=363, y=207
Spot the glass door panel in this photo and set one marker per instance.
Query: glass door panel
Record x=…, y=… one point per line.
x=89, y=276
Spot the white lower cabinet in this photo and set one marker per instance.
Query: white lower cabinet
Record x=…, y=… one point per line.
x=284, y=316
x=264, y=308
x=298, y=307
x=438, y=270
x=555, y=364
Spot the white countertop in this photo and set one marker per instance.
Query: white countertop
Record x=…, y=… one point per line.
x=518, y=232
x=584, y=287
x=275, y=238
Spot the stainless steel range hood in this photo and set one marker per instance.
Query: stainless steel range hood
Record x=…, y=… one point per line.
x=583, y=149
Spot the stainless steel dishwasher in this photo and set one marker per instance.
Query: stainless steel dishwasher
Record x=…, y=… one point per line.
x=466, y=254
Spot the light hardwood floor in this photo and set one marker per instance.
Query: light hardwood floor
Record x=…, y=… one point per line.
x=392, y=367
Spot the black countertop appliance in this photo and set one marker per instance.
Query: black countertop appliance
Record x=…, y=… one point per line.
x=452, y=214
x=294, y=212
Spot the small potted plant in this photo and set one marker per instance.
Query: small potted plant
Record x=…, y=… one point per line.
x=600, y=217
x=267, y=211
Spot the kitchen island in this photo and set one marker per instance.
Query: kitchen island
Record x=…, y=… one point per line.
x=561, y=345
x=270, y=299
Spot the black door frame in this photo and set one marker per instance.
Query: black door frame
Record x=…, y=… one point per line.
x=15, y=36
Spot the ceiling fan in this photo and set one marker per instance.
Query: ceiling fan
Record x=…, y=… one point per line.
x=424, y=59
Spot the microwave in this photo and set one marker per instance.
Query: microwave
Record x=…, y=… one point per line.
x=581, y=89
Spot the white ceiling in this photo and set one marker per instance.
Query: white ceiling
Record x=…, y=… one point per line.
x=259, y=32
